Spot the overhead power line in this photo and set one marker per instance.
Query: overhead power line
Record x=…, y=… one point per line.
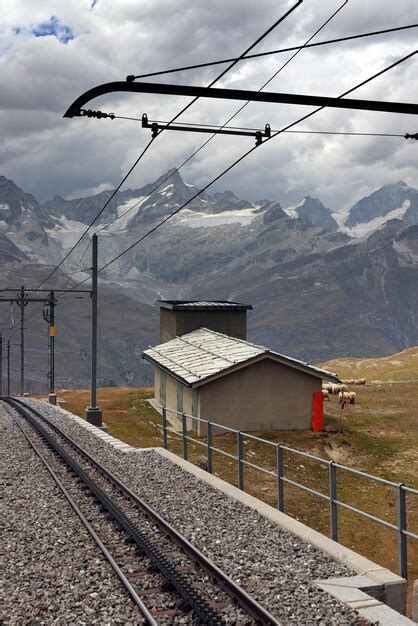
x=270, y=52
x=237, y=161
x=214, y=128
x=80, y=260
x=185, y=108
x=106, y=204
x=241, y=108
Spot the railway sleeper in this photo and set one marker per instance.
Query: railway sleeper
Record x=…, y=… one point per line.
x=191, y=596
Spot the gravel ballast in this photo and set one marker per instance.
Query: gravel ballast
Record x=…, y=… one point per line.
x=53, y=571
x=273, y=565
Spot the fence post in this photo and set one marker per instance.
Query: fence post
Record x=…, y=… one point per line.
x=280, y=474
x=333, y=507
x=210, y=462
x=240, y=460
x=403, y=556
x=184, y=432
x=165, y=441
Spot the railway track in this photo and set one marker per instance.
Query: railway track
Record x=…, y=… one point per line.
x=167, y=577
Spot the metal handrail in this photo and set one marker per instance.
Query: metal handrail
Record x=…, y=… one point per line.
x=334, y=503
x=270, y=443
x=305, y=488
x=384, y=481
x=261, y=469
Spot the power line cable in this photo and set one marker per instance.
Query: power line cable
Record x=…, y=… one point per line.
x=98, y=214
x=270, y=52
x=185, y=108
x=78, y=264
x=214, y=127
x=205, y=143
x=241, y=158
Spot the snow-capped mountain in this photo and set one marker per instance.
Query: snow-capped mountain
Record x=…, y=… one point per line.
x=396, y=200
x=22, y=218
x=313, y=210
x=303, y=267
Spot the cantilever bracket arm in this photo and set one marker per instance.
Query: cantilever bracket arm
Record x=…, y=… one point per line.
x=239, y=94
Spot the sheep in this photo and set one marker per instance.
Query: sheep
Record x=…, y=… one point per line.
x=348, y=381
x=325, y=393
x=327, y=386
x=335, y=388
x=360, y=381
x=347, y=395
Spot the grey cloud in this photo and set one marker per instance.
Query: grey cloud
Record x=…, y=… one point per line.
x=46, y=154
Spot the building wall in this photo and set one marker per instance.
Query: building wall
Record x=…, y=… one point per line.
x=177, y=323
x=157, y=385
x=264, y=396
x=171, y=394
x=168, y=328
x=178, y=397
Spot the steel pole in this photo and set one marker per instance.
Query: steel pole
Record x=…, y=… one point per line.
x=93, y=412
x=8, y=368
x=22, y=340
x=52, y=396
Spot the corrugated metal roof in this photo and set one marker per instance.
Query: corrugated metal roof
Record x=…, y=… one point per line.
x=204, y=353
x=203, y=305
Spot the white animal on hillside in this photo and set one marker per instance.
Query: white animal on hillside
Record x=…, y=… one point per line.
x=360, y=381
x=325, y=393
x=348, y=395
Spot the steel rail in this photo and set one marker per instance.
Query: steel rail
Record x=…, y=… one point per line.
x=243, y=599
x=124, y=580
x=190, y=595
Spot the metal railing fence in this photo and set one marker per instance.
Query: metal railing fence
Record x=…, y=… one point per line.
x=281, y=480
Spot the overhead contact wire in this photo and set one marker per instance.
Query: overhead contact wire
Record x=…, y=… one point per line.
x=205, y=143
x=241, y=158
x=280, y=50
x=185, y=108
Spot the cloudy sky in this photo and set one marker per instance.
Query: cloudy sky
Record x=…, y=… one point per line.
x=53, y=50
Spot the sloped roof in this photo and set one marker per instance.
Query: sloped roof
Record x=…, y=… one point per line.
x=199, y=356
x=203, y=305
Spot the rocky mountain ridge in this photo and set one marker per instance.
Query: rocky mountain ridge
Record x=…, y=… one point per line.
x=317, y=289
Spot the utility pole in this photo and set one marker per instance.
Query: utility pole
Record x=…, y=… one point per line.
x=93, y=412
x=1, y=364
x=49, y=316
x=8, y=367
x=22, y=303
x=22, y=299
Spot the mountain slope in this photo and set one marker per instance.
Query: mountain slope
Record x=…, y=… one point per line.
x=9, y=252
x=398, y=197
x=313, y=210
x=315, y=290
x=126, y=328
x=359, y=298
x=395, y=367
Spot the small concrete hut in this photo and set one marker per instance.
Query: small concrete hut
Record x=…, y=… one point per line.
x=205, y=367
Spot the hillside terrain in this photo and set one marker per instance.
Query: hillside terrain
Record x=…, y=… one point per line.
x=401, y=367
x=120, y=319
x=322, y=282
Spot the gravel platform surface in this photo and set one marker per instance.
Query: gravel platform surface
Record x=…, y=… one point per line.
x=53, y=572
x=273, y=565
